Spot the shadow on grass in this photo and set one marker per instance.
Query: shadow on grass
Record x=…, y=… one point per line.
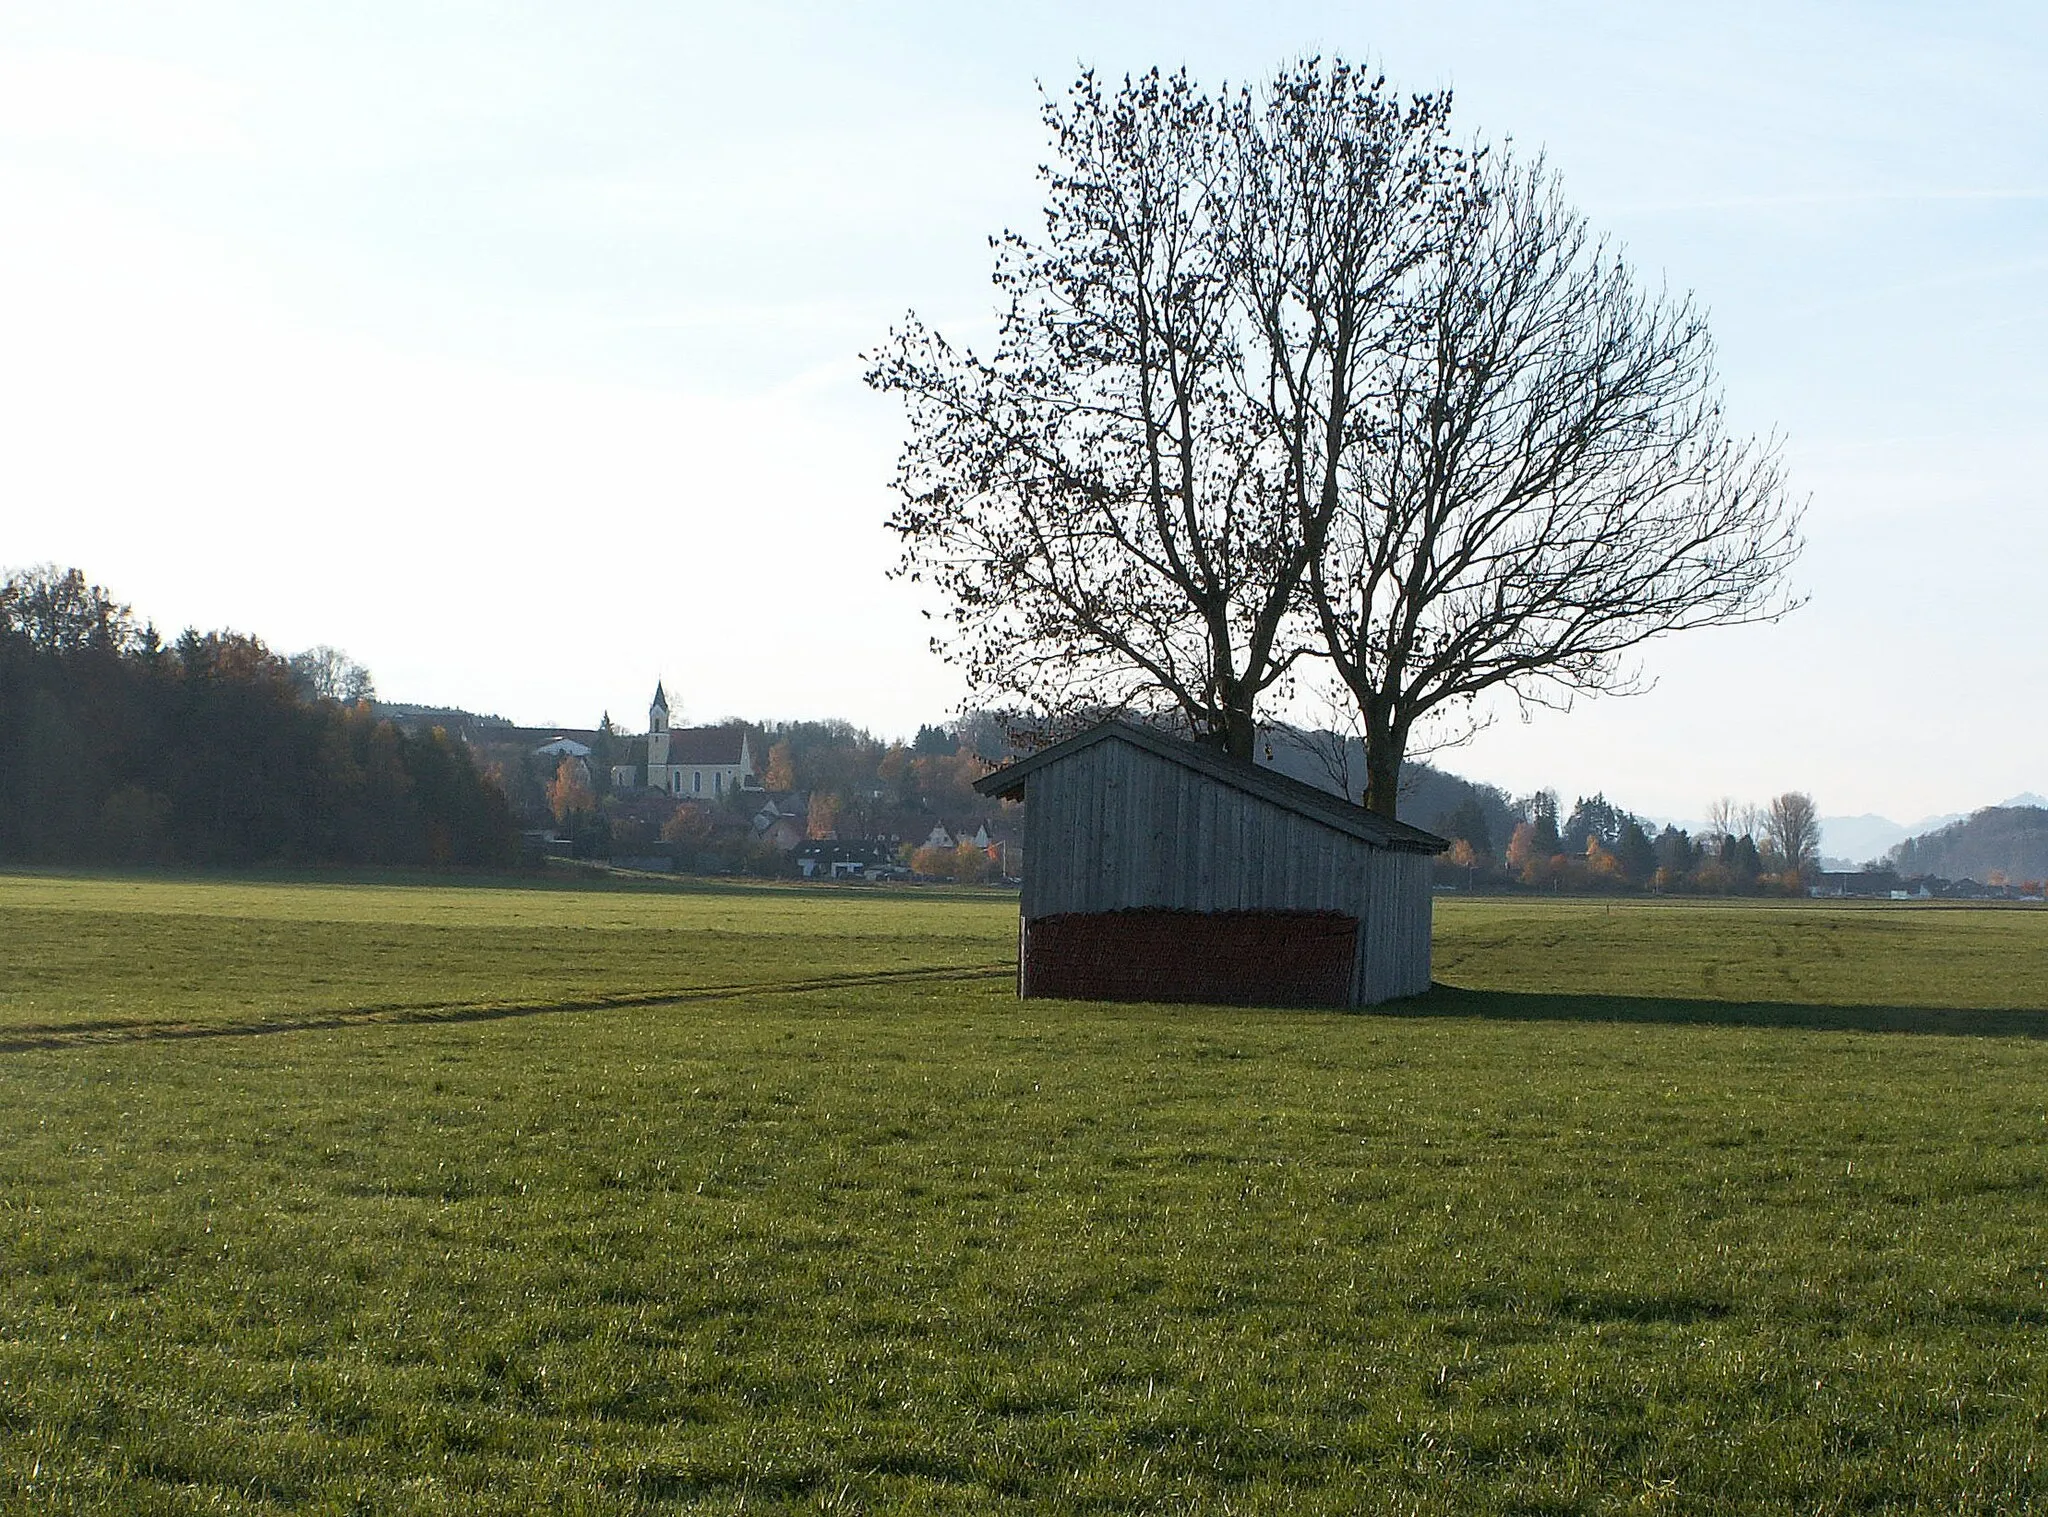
x=1525, y=1006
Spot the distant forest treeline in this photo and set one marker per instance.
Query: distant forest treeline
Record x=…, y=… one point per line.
x=117, y=747
x=1503, y=842
x=1531, y=843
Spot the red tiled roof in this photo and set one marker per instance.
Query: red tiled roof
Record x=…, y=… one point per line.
x=705, y=745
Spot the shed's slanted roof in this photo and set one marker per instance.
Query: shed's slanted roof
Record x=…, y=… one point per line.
x=1267, y=784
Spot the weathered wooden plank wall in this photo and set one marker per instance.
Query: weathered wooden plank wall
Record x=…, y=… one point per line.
x=1393, y=930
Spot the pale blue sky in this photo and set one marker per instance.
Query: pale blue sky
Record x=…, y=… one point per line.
x=513, y=348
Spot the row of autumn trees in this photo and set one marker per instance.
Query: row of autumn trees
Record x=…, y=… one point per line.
x=1294, y=386
x=1600, y=847
x=116, y=746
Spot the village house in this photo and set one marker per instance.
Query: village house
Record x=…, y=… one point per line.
x=941, y=837
x=830, y=859
x=782, y=818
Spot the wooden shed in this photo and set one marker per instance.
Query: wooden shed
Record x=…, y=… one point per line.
x=1157, y=870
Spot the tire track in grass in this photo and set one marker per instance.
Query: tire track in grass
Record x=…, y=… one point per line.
x=73, y=1034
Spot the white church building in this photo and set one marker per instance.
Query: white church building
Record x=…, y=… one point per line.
x=691, y=763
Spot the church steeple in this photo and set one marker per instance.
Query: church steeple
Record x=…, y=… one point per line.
x=657, y=739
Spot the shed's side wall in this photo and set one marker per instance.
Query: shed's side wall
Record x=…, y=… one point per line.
x=1393, y=930
x=1115, y=828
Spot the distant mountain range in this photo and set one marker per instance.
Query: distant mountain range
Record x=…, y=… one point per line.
x=1858, y=839
x=2000, y=845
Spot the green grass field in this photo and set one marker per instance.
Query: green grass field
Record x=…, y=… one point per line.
x=394, y=1197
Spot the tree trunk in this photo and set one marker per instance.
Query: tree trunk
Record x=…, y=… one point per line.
x=1240, y=732
x=1385, y=747
x=1228, y=726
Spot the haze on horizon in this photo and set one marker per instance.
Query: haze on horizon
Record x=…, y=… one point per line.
x=517, y=353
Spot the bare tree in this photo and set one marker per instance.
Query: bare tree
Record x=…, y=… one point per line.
x=1122, y=502
x=1722, y=812
x=1551, y=485
x=1792, y=826
x=1750, y=819
x=324, y=673
x=1287, y=377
